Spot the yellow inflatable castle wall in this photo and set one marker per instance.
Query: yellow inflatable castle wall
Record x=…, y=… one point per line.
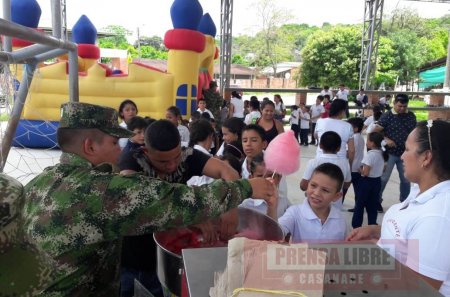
x=190, y=68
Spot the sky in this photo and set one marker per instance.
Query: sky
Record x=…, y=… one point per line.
x=153, y=16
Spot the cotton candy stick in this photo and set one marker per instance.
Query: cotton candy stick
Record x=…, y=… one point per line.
x=283, y=154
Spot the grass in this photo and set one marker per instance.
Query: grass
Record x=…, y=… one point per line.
x=421, y=115
x=4, y=117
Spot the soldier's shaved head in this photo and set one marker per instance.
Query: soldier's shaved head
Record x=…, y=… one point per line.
x=71, y=140
x=162, y=136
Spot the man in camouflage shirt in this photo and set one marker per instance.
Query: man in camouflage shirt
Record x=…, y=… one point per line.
x=23, y=270
x=77, y=211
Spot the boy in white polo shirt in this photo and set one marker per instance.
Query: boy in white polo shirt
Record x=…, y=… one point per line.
x=330, y=142
x=316, y=220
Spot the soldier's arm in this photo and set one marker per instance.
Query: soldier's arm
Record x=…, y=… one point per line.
x=216, y=168
x=136, y=204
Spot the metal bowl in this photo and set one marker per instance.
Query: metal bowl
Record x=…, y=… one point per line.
x=256, y=225
x=252, y=224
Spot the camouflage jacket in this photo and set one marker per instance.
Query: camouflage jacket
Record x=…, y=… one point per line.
x=16, y=253
x=77, y=213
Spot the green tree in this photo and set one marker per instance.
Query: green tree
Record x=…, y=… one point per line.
x=385, y=61
x=409, y=54
x=118, y=40
x=332, y=57
x=238, y=59
x=155, y=41
x=405, y=19
x=272, y=46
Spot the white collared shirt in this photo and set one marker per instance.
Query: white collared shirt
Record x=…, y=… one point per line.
x=206, y=110
x=305, y=226
x=420, y=227
x=244, y=171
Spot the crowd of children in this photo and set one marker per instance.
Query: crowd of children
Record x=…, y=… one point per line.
x=239, y=147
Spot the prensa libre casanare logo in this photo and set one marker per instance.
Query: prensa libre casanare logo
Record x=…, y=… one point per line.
x=335, y=257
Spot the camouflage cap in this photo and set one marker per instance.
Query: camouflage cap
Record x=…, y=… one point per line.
x=77, y=115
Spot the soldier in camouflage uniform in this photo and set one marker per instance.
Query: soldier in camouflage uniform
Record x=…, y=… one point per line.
x=23, y=270
x=77, y=211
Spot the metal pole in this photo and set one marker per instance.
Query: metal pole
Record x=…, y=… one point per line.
x=139, y=44
x=23, y=54
x=22, y=32
x=16, y=112
x=56, y=18
x=73, y=76
x=48, y=55
x=7, y=43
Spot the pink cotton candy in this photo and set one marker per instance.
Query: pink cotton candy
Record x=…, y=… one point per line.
x=283, y=154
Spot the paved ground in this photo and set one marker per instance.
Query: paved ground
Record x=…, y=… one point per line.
x=24, y=164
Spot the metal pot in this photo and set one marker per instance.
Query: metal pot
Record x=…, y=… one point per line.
x=252, y=224
x=169, y=264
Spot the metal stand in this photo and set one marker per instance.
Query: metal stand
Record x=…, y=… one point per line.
x=46, y=47
x=226, y=26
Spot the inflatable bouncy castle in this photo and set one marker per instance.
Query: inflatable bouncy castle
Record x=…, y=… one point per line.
x=192, y=52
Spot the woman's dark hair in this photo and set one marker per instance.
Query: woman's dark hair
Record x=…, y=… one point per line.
x=440, y=142
x=333, y=171
x=234, y=148
x=267, y=102
x=294, y=107
x=357, y=123
x=377, y=138
x=199, y=131
x=235, y=125
x=175, y=111
x=376, y=108
x=337, y=106
x=254, y=103
x=124, y=103
x=256, y=161
x=257, y=128
x=162, y=135
x=330, y=142
x=236, y=95
x=233, y=161
x=279, y=97
x=377, y=115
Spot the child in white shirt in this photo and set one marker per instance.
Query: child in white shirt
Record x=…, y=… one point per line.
x=304, y=124
x=330, y=142
x=316, y=220
x=254, y=114
x=202, y=107
x=369, y=185
x=294, y=121
x=358, y=139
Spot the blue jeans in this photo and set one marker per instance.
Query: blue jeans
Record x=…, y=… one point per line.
x=405, y=185
x=367, y=193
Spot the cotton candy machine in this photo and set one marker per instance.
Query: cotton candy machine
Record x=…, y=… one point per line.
x=252, y=224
